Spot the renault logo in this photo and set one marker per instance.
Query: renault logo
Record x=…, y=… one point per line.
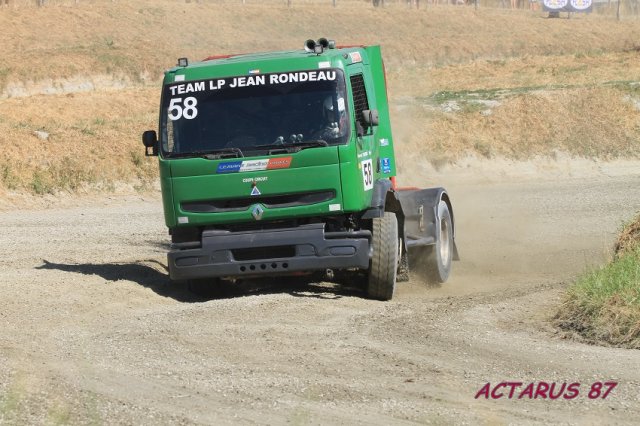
x=257, y=212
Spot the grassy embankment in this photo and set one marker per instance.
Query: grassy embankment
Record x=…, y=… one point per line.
x=603, y=306
x=492, y=83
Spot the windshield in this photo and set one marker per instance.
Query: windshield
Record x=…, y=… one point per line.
x=254, y=114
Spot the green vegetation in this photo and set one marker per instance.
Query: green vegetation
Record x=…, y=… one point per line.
x=68, y=175
x=39, y=185
x=8, y=177
x=603, y=306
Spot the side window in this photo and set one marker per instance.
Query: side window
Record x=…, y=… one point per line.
x=360, y=101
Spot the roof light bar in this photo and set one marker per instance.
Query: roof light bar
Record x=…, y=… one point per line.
x=319, y=46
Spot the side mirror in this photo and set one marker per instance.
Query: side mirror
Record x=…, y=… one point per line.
x=150, y=141
x=370, y=117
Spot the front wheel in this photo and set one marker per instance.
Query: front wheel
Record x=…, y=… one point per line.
x=384, y=264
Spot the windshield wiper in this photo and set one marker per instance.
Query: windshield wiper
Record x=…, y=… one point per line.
x=312, y=144
x=223, y=153
x=214, y=154
x=276, y=148
x=272, y=145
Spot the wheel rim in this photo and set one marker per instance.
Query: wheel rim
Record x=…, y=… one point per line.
x=445, y=246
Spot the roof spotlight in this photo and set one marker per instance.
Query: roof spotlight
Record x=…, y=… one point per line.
x=309, y=45
x=183, y=62
x=319, y=46
x=327, y=44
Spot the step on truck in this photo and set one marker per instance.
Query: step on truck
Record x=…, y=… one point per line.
x=282, y=163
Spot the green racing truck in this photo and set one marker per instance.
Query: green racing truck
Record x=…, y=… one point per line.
x=282, y=163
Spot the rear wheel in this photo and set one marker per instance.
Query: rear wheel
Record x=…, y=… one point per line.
x=384, y=264
x=439, y=256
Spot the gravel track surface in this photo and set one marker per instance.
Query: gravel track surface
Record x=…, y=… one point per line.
x=93, y=332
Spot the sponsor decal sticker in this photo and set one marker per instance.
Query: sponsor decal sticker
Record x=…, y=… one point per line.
x=254, y=165
x=250, y=80
x=386, y=165
x=355, y=57
x=279, y=163
x=384, y=142
x=255, y=179
x=183, y=106
x=229, y=167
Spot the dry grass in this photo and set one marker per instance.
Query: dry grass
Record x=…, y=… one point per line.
x=139, y=38
x=603, y=307
x=526, y=71
x=585, y=122
x=93, y=138
x=610, y=322
x=554, y=81
x=629, y=238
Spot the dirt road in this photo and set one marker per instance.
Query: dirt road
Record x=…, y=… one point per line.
x=91, y=331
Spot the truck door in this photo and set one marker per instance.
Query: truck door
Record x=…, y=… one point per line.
x=366, y=148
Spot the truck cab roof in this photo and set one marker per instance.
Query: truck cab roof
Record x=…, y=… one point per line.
x=269, y=62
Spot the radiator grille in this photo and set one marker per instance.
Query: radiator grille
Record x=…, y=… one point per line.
x=269, y=201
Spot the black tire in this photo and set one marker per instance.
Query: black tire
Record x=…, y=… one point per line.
x=383, y=268
x=207, y=288
x=439, y=256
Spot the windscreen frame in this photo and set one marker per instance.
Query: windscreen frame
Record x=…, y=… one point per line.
x=291, y=87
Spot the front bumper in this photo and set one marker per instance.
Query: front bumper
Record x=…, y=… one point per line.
x=273, y=252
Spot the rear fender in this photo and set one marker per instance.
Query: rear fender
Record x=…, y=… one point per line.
x=420, y=208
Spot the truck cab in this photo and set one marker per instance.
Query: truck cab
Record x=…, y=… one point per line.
x=282, y=163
